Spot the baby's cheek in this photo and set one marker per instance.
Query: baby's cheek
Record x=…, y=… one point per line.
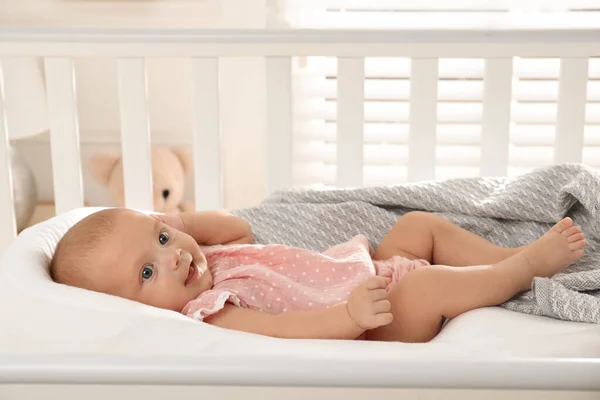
x=165, y=296
x=178, y=301
x=197, y=254
x=202, y=264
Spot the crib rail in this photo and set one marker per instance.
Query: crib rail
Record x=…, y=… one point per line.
x=339, y=43
x=207, y=141
x=204, y=48
x=135, y=133
x=64, y=132
x=8, y=227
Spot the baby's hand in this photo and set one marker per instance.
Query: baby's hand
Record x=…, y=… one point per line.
x=174, y=221
x=368, y=305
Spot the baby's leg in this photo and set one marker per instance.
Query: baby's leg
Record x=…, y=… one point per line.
x=433, y=238
x=422, y=298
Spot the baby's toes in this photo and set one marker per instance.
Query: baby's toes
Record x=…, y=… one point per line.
x=571, y=231
x=578, y=245
x=576, y=237
x=563, y=225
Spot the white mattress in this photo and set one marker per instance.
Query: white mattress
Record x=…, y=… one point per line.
x=100, y=338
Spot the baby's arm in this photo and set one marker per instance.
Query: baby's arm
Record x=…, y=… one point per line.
x=367, y=308
x=216, y=227
x=330, y=323
x=211, y=227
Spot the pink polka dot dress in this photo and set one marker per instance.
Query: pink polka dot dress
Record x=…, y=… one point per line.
x=278, y=278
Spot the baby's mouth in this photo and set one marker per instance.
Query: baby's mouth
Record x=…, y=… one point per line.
x=193, y=273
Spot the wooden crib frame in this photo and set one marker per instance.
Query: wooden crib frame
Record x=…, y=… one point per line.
x=205, y=47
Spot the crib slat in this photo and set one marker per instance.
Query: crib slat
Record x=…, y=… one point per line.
x=8, y=227
x=422, y=119
x=207, y=140
x=497, y=94
x=570, y=118
x=135, y=133
x=64, y=134
x=279, y=123
x=350, y=121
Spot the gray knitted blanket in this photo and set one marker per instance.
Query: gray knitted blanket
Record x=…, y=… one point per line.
x=507, y=211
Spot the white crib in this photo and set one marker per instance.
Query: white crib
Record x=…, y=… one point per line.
x=204, y=48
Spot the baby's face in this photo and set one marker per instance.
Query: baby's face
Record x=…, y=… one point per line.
x=153, y=263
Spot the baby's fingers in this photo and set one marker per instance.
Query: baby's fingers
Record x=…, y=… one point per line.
x=382, y=306
x=376, y=283
x=384, y=319
x=377, y=294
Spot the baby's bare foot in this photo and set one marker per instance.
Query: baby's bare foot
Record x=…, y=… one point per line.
x=559, y=247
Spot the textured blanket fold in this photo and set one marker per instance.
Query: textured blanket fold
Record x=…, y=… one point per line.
x=507, y=211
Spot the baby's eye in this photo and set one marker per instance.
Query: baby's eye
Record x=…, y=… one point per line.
x=147, y=272
x=163, y=238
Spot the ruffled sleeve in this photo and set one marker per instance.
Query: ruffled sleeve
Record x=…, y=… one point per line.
x=210, y=302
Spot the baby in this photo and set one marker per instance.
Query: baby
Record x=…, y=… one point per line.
x=204, y=265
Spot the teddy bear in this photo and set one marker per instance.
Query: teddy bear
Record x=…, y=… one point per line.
x=170, y=165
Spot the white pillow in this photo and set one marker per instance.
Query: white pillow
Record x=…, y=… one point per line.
x=39, y=315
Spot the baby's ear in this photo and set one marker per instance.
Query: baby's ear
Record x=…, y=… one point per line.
x=185, y=158
x=102, y=164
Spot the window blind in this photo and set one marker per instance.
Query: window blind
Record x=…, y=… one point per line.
x=438, y=14
x=460, y=89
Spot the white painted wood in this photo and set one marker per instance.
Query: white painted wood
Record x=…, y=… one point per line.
x=336, y=370
x=153, y=391
x=497, y=92
x=350, y=121
x=251, y=36
x=291, y=42
x=64, y=134
x=422, y=119
x=135, y=133
x=279, y=123
x=207, y=140
x=361, y=49
x=570, y=118
x=8, y=224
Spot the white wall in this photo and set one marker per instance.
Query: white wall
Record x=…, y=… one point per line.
x=113, y=13
x=242, y=83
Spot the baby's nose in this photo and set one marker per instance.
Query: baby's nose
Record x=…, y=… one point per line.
x=174, y=258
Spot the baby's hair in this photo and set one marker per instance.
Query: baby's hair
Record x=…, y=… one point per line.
x=79, y=246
